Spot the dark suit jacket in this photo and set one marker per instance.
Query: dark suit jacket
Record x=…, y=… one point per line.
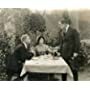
x=70, y=43
x=15, y=60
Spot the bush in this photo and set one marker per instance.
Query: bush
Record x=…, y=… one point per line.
x=4, y=50
x=34, y=22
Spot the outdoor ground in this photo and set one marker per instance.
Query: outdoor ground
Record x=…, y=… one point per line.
x=84, y=74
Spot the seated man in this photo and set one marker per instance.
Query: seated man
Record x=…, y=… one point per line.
x=17, y=58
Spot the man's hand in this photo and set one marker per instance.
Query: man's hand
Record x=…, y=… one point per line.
x=75, y=54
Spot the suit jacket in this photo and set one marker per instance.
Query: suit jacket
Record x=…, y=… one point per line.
x=70, y=43
x=15, y=60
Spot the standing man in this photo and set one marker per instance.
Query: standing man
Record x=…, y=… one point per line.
x=69, y=48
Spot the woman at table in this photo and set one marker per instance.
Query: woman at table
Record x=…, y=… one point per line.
x=41, y=47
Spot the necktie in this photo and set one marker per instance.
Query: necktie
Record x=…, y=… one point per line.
x=64, y=32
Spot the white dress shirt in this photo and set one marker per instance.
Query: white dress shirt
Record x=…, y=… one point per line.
x=67, y=28
x=25, y=44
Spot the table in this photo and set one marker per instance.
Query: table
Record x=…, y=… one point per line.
x=46, y=64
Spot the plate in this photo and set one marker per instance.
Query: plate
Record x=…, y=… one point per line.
x=34, y=58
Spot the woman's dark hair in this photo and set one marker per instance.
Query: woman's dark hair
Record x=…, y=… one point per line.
x=41, y=37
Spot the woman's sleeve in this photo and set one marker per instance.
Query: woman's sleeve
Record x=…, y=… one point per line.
x=48, y=48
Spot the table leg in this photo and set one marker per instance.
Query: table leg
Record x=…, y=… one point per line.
x=64, y=77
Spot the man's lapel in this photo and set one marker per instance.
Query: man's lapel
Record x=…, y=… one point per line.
x=67, y=33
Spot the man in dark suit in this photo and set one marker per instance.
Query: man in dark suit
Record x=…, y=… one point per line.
x=17, y=58
x=69, y=46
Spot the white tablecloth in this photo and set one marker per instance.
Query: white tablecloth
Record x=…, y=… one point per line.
x=46, y=65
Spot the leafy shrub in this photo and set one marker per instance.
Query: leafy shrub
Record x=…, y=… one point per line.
x=4, y=50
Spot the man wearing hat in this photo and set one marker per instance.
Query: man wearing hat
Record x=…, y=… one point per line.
x=69, y=47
